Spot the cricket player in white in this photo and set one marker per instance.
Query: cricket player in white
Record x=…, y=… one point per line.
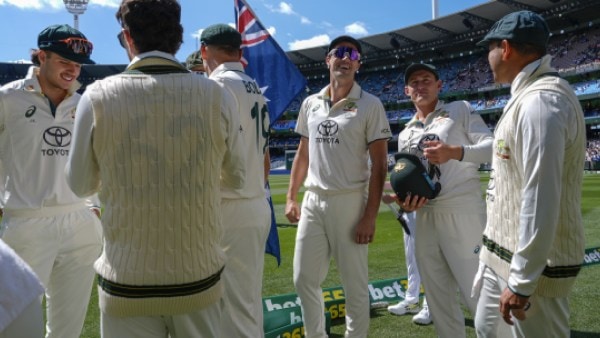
x=51, y=228
x=452, y=141
x=341, y=127
x=246, y=214
x=534, y=240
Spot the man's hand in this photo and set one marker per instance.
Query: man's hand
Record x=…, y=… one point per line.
x=365, y=231
x=292, y=211
x=412, y=203
x=389, y=198
x=438, y=152
x=511, y=303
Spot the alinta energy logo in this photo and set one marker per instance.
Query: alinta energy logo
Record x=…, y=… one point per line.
x=58, y=138
x=328, y=130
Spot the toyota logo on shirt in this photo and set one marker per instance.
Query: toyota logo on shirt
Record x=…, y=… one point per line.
x=328, y=130
x=57, y=137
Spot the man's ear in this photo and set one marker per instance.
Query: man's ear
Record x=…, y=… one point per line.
x=42, y=56
x=507, y=50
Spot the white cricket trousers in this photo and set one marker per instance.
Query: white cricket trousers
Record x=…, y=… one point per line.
x=246, y=225
x=545, y=318
x=447, y=250
x=327, y=229
x=203, y=323
x=60, y=248
x=414, y=278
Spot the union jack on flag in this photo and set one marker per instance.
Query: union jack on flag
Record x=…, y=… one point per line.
x=267, y=63
x=279, y=79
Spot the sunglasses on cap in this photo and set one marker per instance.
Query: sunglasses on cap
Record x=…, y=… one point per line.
x=342, y=52
x=77, y=45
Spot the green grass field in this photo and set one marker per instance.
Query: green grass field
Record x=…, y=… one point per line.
x=386, y=260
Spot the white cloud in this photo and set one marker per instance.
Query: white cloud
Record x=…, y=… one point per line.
x=272, y=30
x=288, y=9
x=106, y=3
x=53, y=4
x=197, y=33
x=305, y=21
x=315, y=41
x=356, y=28
x=31, y=4
x=285, y=8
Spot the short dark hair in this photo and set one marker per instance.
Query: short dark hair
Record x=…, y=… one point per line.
x=528, y=48
x=152, y=24
x=35, y=56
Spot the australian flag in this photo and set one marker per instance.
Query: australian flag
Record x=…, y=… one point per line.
x=267, y=63
x=279, y=79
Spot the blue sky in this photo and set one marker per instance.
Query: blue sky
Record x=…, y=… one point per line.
x=295, y=24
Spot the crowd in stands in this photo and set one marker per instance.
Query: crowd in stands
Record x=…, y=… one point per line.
x=571, y=52
x=592, y=155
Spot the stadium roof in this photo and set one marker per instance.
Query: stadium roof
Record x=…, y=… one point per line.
x=461, y=30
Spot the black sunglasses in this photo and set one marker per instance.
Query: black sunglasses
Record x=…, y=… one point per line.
x=121, y=38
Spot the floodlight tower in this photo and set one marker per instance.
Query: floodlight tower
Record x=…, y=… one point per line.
x=434, y=9
x=76, y=7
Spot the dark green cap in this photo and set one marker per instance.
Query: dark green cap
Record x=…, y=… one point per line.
x=194, y=60
x=67, y=42
x=222, y=35
x=409, y=177
x=420, y=66
x=523, y=26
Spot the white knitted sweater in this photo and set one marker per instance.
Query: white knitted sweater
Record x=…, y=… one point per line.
x=159, y=145
x=534, y=234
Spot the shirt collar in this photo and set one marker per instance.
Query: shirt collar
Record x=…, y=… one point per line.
x=152, y=54
x=531, y=71
x=354, y=94
x=227, y=66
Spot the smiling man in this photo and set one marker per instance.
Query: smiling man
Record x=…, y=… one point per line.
x=44, y=222
x=342, y=127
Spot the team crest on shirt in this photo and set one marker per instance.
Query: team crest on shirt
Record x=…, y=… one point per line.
x=502, y=150
x=443, y=116
x=351, y=107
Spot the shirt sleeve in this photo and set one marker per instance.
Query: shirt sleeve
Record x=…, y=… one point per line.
x=233, y=172
x=480, y=149
x=378, y=126
x=541, y=138
x=82, y=170
x=302, y=123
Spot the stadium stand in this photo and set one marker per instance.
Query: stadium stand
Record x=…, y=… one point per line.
x=449, y=43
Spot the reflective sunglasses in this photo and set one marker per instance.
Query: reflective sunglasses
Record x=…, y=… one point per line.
x=79, y=45
x=342, y=52
x=121, y=39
